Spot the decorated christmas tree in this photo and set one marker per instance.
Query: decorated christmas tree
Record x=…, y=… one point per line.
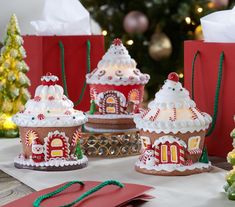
x=153, y=30
x=13, y=81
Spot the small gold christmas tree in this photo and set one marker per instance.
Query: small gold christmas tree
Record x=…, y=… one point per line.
x=13, y=81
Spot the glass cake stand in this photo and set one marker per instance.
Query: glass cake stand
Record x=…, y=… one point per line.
x=111, y=144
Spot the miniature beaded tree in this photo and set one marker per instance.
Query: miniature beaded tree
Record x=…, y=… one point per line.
x=13, y=81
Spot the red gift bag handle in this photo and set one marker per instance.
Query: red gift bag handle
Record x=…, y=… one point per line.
x=217, y=91
x=38, y=201
x=88, y=61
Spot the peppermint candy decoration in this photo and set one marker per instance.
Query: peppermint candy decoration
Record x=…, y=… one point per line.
x=67, y=113
x=37, y=98
x=41, y=116
x=51, y=98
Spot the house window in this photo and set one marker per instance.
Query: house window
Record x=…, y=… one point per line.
x=194, y=142
x=134, y=95
x=56, y=143
x=174, y=156
x=145, y=141
x=164, y=155
x=110, y=100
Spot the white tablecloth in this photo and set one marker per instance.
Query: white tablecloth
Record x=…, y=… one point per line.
x=196, y=190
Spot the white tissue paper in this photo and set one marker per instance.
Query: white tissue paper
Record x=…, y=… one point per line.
x=219, y=26
x=63, y=17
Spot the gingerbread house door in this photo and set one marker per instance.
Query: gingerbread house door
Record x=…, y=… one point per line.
x=111, y=104
x=56, y=147
x=168, y=153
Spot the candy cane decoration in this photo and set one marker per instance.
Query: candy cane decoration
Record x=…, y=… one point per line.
x=182, y=153
x=145, y=113
x=157, y=154
x=174, y=115
x=153, y=118
x=199, y=111
x=194, y=115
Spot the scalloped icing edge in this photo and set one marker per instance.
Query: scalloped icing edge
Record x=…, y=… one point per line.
x=64, y=121
x=117, y=82
x=173, y=167
x=110, y=116
x=91, y=129
x=51, y=163
x=147, y=125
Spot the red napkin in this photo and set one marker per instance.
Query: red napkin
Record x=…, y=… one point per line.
x=109, y=196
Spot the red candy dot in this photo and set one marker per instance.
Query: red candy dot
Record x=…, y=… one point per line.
x=173, y=77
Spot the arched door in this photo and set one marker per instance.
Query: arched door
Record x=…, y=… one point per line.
x=56, y=147
x=111, y=104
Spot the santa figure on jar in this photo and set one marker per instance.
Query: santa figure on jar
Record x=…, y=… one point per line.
x=37, y=151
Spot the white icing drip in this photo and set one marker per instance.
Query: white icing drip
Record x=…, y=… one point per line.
x=110, y=116
x=173, y=167
x=117, y=68
x=167, y=126
x=58, y=162
x=169, y=139
x=26, y=120
x=99, y=130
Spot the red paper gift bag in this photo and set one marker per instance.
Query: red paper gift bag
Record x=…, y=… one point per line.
x=212, y=56
x=48, y=53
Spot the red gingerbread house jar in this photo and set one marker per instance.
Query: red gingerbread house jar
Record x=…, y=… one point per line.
x=116, y=90
x=172, y=132
x=50, y=130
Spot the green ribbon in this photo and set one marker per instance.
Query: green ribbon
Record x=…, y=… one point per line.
x=217, y=90
x=38, y=201
x=62, y=61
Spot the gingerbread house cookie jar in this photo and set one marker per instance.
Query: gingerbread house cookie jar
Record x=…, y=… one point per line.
x=50, y=130
x=172, y=132
x=116, y=90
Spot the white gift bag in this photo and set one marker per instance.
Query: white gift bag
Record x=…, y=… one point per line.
x=48, y=17
x=219, y=26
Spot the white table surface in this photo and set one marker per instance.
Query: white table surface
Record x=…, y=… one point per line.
x=196, y=190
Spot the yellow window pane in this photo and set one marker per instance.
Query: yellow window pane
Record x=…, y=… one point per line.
x=56, y=153
x=174, y=157
x=110, y=109
x=145, y=141
x=164, y=153
x=56, y=143
x=194, y=142
x=110, y=100
x=134, y=96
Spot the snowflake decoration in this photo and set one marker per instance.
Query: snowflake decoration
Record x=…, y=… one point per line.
x=41, y=116
x=76, y=136
x=30, y=136
x=37, y=98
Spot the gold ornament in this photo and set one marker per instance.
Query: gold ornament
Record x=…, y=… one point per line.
x=198, y=33
x=160, y=46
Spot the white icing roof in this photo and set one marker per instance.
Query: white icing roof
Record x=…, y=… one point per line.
x=172, y=111
x=117, y=68
x=49, y=107
x=169, y=139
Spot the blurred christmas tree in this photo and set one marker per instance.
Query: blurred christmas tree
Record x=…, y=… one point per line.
x=13, y=81
x=153, y=30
